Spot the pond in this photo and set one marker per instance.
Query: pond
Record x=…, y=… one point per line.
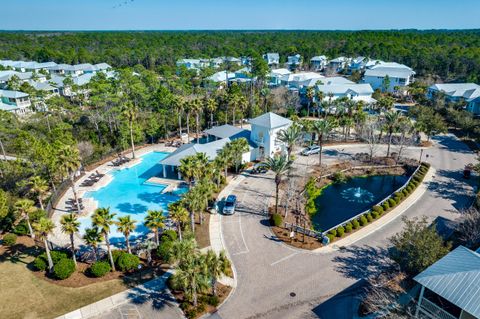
x=342, y=201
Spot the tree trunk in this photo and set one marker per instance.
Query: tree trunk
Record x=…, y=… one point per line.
x=188, y=127
x=3, y=150
x=75, y=194
x=127, y=242
x=211, y=119
x=49, y=257
x=192, y=221
x=179, y=125
x=131, y=140
x=277, y=187
x=95, y=251
x=179, y=228
x=32, y=234
x=72, y=241
x=389, y=143
x=157, y=238
x=107, y=241
x=197, y=120
x=214, y=286
x=40, y=201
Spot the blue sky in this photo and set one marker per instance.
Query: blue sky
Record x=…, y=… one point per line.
x=238, y=14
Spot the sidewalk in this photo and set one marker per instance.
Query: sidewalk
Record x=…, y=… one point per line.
x=141, y=294
x=384, y=220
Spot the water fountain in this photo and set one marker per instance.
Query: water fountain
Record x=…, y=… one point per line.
x=357, y=195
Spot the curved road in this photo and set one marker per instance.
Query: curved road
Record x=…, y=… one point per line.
x=278, y=281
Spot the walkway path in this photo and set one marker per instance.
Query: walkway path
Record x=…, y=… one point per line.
x=277, y=281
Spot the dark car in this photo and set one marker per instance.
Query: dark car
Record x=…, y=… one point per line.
x=230, y=203
x=259, y=168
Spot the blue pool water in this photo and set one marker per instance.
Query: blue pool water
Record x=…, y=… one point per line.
x=128, y=194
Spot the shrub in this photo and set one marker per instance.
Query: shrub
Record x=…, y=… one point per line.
x=369, y=217
x=21, y=229
x=392, y=202
x=191, y=313
x=276, y=220
x=57, y=255
x=339, y=177
x=340, y=231
x=116, y=253
x=375, y=215
x=100, y=268
x=169, y=234
x=363, y=220
x=331, y=237
x=424, y=164
x=409, y=188
x=399, y=194
x=9, y=239
x=164, y=249
x=127, y=262
x=333, y=232
x=213, y=301
x=40, y=263
x=378, y=209
x=355, y=224
x=348, y=227
x=386, y=205
x=64, y=268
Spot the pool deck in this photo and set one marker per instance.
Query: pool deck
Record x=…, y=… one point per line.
x=172, y=184
x=60, y=239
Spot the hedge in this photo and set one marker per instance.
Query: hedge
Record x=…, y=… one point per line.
x=348, y=227
x=392, y=202
x=369, y=217
x=333, y=232
x=100, y=268
x=41, y=262
x=127, y=262
x=355, y=224
x=363, y=220
x=9, y=239
x=276, y=220
x=378, y=209
x=331, y=237
x=64, y=268
x=375, y=215
x=340, y=231
x=386, y=205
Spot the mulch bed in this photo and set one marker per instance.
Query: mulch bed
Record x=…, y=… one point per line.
x=283, y=234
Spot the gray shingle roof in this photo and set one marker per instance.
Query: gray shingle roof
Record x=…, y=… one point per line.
x=224, y=131
x=468, y=91
x=360, y=89
x=455, y=277
x=270, y=120
x=210, y=149
x=12, y=94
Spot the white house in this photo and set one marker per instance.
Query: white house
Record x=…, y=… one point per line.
x=339, y=64
x=296, y=81
x=273, y=59
x=469, y=93
x=355, y=92
x=450, y=288
x=15, y=102
x=262, y=140
x=276, y=75
x=319, y=62
x=398, y=75
x=358, y=64
x=294, y=61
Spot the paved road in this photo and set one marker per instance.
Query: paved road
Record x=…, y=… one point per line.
x=277, y=281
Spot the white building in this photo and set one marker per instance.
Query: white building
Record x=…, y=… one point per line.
x=264, y=133
x=358, y=64
x=294, y=61
x=469, y=93
x=398, y=75
x=339, y=64
x=353, y=91
x=318, y=63
x=15, y=102
x=296, y=81
x=273, y=59
x=276, y=76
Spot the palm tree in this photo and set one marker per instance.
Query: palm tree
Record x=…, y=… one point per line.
x=182, y=250
x=280, y=165
x=130, y=112
x=290, y=137
x=194, y=202
x=197, y=108
x=155, y=220
x=187, y=169
x=179, y=104
x=322, y=128
x=192, y=277
x=39, y=187
x=310, y=95
x=103, y=219
x=69, y=162
x=179, y=215
x=93, y=237
x=200, y=164
x=206, y=189
x=392, y=120
x=319, y=95
x=187, y=107
x=238, y=148
x=43, y=228
x=70, y=226
x=217, y=266
x=242, y=104
x=23, y=208
x=224, y=158
x=211, y=107
x=126, y=226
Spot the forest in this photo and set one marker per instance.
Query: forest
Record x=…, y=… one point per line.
x=448, y=55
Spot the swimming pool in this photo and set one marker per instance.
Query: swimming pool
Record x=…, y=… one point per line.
x=128, y=194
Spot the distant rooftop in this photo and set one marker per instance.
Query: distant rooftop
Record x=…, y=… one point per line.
x=270, y=120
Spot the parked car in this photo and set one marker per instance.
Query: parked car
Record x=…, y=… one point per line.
x=230, y=204
x=314, y=149
x=259, y=168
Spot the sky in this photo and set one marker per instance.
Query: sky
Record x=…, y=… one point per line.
x=238, y=14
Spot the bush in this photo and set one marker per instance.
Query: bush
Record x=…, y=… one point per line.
x=191, y=313
x=213, y=301
x=348, y=227
x=375, y=215
x=276, y=220
x=399, y=194
x=40, y=263
x=398, y=199
x=127, y=262
x=340, y=231
x=21, y=229
x=378, y=209
x=164, y=249
x=392, y=202
x=355, y=224
x=9, y=239
x=169, y=234
x=116, y=253
x=369, y=217
x=333, y=232
x=64, y=268
x=386, y=205
x=409, y=188
x=363, y=220
x=339, y=177
x=100, y=268
x=331, y=237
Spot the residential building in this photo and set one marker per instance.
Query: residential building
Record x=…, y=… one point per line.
x=15, y=102
x=318, y=63
x=467, y=93
x=294, y=61
x=388, y=76
x=273, y=59
x=192, y=64
x=358, y=64
x=353, y=91
x=262, y=140
x=450, y=288
x=276, y=75
x=296, y=81
x=339, y=64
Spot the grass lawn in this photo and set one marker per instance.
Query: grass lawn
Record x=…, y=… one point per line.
x=25, y=294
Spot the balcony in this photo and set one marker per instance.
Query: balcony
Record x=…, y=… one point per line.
x=428, y=309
